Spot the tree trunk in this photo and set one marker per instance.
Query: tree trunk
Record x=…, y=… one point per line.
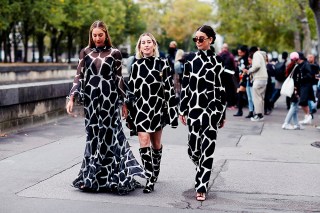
x=307, y=45
x=315, y=6
x=25, y=43
x=5, y=46
x=297, y=40
x=70, y=38
x=1, y=34
x=40, y=44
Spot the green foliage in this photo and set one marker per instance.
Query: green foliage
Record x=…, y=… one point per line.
x=256, y=22
x=268, y=24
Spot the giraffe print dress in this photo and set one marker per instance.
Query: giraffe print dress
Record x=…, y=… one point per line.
x=151, y=85
x=203, y=101
x=108, y=163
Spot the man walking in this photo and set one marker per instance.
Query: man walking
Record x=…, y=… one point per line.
x=260, y=80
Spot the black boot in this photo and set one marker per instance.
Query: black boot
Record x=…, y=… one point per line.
x=156, y=159
x=250, y=115
x=146, y=159
x=239, y=113
x=239, y=104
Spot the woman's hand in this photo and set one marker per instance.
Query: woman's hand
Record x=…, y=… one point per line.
x=221, y=124
x=183, y=119
x=124, y=111
x=69, y=106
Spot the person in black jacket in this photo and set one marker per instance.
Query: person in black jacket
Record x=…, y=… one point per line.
x=202, y=106
x=305, y=83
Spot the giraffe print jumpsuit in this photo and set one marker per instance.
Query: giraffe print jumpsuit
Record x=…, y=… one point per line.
x=108, y=163
x=203, y=101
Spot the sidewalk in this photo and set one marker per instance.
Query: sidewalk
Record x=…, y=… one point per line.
x=258, y=167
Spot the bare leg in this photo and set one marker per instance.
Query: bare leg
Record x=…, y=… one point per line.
x=144, y=139
x=156, y=139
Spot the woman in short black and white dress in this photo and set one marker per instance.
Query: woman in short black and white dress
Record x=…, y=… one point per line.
x=152, y=87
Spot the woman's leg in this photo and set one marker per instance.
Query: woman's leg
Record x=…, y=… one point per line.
x=146, y=159
x=295, y=114
x=289, y=115
x=250, y=101
x=156, y=152
x=208, y=142
x=194, y=144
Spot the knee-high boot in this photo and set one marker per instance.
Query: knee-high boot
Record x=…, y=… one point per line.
x=146, y=159
x=156, y=160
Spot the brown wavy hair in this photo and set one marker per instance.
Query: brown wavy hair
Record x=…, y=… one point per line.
x=103, y=27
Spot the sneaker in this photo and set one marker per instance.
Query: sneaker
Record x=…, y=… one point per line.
x=287, y=126
x=257, y=118
x=318, y=127
x=307, y=120
x=298, y=127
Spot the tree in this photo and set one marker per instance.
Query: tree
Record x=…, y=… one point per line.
x=183, y=17
x=273, y=24
x=8, y=19
x=315, y=7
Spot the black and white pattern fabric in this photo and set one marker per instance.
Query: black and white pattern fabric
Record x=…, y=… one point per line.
x=146, y=159
x=203, y=96
x=108, y=162
x=203, y=101
x=202, y=141
x=151, y=85
x=156, y=160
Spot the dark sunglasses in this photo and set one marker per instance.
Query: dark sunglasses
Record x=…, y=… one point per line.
x=199, y=39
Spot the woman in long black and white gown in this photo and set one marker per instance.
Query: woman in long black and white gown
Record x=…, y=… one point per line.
x=108, y=163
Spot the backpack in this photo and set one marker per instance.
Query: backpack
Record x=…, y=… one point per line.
x=280, y=71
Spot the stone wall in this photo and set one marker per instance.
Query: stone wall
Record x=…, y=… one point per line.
x=31, y=95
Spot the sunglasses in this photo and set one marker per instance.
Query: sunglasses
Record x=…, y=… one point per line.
x=200, y=40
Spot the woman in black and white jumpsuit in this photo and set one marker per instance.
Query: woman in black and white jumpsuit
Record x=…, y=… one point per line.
x=202, y=106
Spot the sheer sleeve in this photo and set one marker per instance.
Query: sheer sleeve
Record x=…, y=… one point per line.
x=122, y=86
x=78, y=79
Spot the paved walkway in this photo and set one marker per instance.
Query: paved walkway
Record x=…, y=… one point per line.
x=258, y=167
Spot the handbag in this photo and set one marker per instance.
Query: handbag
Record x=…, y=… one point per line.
x=288, y=85
x=130, y=118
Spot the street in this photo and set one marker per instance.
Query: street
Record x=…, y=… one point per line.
x=258, y=167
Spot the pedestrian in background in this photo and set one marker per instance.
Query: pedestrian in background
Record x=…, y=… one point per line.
x=178, y=69
x=108, y=163
x=154, y=106
x=229, y=64
x=260, y=79
x=305, y=87
x=292, y=115
x=202, y=106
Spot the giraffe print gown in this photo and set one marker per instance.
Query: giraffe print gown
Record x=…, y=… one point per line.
x=151, y=84
x=203, y=101
x=108, y=163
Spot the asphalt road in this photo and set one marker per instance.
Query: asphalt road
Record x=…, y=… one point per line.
x=258, y=167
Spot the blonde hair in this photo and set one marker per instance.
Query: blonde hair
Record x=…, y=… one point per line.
x=155, y=50
x=101, y=25
x=179, y=54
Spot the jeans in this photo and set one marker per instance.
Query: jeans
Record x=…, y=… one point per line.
x=312, y=104
x=292, y=114
x=249, y=96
